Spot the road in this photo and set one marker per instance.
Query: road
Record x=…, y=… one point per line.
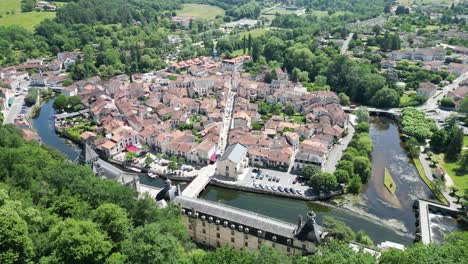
x=432, y=103
x=15, y=110
x=344, y=48
x=335, y=153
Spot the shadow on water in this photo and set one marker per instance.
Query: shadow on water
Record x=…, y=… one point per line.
x=44, y=125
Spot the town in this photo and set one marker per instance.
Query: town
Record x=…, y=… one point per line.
x=265, y=125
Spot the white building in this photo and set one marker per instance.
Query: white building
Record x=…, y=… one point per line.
x=233, y=162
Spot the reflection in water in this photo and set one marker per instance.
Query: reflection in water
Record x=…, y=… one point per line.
x=442, y=225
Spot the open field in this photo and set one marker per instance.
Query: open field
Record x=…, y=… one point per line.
x=15, y=17
x=451, y=168
x=200, y=11
x=389, y=182
x=254, y=32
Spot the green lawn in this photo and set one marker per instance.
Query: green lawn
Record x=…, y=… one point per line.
x=451, y=168
x=429, y=184
x=465, y=141
x=254, y=32
x=389, y=182
x=200, y=11
x=15, y=17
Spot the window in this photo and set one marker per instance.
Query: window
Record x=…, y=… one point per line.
x=218, y=244
x=304, y=246
x=246, y=237
x=218, y=235
x=246, y=244
x=217, y=228
x=232, y=232
x=273, y=245
x=204, y=231
x=227, y=168
x=203, y=223
x=288, y=249
x=232, y=239
x=190, y=227
x=259, y=241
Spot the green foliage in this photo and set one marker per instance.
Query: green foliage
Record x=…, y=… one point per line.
x=415, y=124
x=447, y=102
x=386, y=98
x=362, y=127
x=355, y=185
x=148, y=160
x=439, y=140
x=74, y=241
x=257, y=126
x=344, y=99
x=339, y=229
x=31, y=97
x=413, y=147
x=113, y=220
x=362, y=114
x=455, y=144
x=342, y=176
x=453, y=250
x=323, y=181
x=309, y=171
x=130, y=155
x=362, y=167
x=364, y=239
x=28, y=5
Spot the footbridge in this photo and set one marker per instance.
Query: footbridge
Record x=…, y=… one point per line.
x=200, y=182
x=424, y=224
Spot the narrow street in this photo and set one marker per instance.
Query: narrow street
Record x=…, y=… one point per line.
x=223, y=135
x=337, y=150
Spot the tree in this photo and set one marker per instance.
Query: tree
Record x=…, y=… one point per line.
x=338, y=229
x=130, y=155
x=386, y=98
x=463, y=162
x=362, y=127
x=113, y=220
x=150, y=244
x=74, y=241
x=289, y=110
x=355, y=185
x=309, y=171
x=413, y=147
x=455, y=144
x=364, y=239
x=342, y=176
x=323, y=181
x=16, y=245
x=362, y=114
x=464, y=105
x=344, y=99
x=148, y=160
x=362, y=167
x=439, y=185
x=439, y=140
x=447, y=102
x=172, y=165
x=60, y=102
x=346, y=165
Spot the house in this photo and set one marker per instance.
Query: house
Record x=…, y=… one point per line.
x=70, y=90
x=458, y=95
x=39, y=80
x=426, y=89
x=388, y=64
x=235, y=63
x=119, y=140
x=233, y=162
x=6, y=96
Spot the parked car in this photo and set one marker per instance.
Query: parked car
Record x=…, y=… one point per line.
x=286, y=190
x=277, y=179
x=261, y=186
x=292, y=190
x=299, y=192
x=280, y=188
x=274, y=188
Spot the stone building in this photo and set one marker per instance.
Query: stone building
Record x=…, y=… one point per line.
x=233, y=162
x=215, y=225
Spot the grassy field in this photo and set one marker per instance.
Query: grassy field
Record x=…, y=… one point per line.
x=429, y=184
x=10, y=12
x=465, y=141
x=451, y=168
x=389, y=182
x=200, y=11
x=254, y=32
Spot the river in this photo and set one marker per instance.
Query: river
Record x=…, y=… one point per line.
x=387, y=153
